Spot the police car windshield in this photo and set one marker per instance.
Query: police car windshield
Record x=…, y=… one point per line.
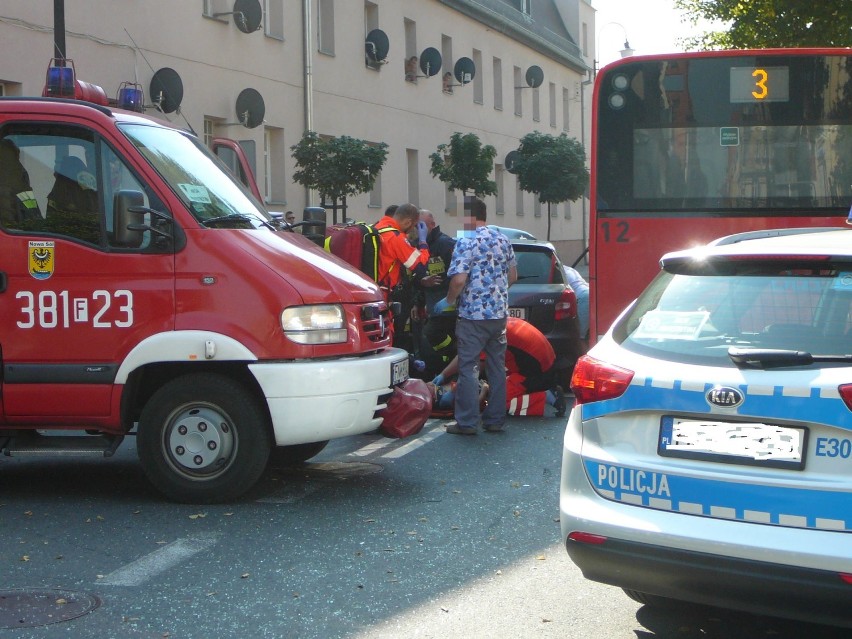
x=197, y=177
x=761, y=307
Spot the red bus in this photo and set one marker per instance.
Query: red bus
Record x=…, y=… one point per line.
x=692, y=146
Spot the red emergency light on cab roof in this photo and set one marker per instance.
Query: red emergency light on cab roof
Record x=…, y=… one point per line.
x=61, y=82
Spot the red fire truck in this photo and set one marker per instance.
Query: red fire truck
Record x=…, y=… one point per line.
x=146, y=294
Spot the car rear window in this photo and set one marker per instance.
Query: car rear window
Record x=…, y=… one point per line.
x=698, y=316
x=537, y=266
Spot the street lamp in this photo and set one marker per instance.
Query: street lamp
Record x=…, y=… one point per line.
x=626, y=52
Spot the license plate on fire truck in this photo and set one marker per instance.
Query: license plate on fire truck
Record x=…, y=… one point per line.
x=399, y=372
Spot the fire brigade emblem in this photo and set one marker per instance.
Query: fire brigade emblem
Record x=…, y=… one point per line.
x=41, y=259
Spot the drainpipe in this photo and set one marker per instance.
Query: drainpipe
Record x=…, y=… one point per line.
x=307, y=36
x=583, y=86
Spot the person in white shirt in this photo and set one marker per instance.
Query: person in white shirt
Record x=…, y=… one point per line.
x=581, y=290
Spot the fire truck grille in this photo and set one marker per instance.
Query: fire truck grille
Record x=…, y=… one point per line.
x=375, y=320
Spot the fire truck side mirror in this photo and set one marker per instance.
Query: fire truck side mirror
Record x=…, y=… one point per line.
x=128, y=218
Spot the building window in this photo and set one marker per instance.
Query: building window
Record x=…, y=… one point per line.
x=518, y=79
x=325, y=23
x=274, y=152
x=536, y=100
x=585, y=38
x=273, y=18
x=450, y=201
x=567, y=210
x=536, y=206
x=209, y=128
x=519, y=199
x=447, y=58
x=498, y=84
x=477, y=78
x=552, y=101
x=412, y=62
x=566, y=101
x=499, y=175
x=413, y=178
x=376, y=192
x=524, y=6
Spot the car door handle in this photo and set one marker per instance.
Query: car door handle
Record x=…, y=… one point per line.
x=2, y=282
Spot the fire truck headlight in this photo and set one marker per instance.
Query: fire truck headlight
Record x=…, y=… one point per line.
x=318, y=324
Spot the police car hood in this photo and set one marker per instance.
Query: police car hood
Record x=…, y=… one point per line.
x=315, y=275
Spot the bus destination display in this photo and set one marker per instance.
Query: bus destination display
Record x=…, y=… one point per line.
x=760, y=84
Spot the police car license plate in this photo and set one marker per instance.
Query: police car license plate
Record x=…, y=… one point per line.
x=753, y=444
x=399, y=372
x=520, y=313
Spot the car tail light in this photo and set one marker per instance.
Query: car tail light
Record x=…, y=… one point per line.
x=566, y=305
x=846, y=577
x=846, y=394
x=594, y=380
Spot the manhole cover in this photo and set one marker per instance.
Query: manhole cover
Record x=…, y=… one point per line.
x=30, y=608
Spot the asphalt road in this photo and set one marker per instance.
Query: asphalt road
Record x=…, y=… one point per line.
x=436, y=536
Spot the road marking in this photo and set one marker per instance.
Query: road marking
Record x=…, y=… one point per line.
x=159, y=561
x=369, y=449
x=411, y=446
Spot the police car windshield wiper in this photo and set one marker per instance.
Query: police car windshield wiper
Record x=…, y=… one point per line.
x=779, y=358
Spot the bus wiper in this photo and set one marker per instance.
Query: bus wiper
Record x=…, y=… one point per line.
x=779, y=358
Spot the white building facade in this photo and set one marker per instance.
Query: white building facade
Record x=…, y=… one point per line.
x=307, y=61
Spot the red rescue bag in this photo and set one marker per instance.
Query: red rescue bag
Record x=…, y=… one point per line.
x=408, y=409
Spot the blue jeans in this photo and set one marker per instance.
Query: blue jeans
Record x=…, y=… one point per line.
x=474, y=337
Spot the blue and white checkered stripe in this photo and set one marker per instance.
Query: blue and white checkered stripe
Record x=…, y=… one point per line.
x=821, y=405
x=800, y=508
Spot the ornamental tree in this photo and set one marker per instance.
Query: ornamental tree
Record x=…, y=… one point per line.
x=337, y=167
x=552, y=167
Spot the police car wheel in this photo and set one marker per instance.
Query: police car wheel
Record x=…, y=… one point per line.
x=203, y=438
x=295, y=454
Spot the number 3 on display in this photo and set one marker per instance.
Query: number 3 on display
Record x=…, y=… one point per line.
x=762, y=90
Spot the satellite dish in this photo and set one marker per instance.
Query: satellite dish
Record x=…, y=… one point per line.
x=166, y=90
x=511, y=161
x=250, y=108
x=430, y=61
x=464, y=70
x=535, y=76
x=248, y=15
x=377, y=46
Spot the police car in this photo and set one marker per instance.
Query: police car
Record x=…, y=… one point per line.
x=709, y=455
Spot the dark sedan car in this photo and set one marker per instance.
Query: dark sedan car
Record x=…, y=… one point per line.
x=543, y=298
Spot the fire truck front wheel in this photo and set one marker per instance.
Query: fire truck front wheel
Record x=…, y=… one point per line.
x=203, y=438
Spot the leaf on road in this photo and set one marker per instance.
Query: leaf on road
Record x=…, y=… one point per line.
x=61, y=601
x=198, y=516
x=28, y=513
x=541, y=558
x=244, y=575
x=25, y=558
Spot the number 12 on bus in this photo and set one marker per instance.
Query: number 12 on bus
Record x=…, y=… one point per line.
x=693, y=146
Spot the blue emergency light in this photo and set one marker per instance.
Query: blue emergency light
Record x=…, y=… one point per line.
x=60, y=80
x=130, y=97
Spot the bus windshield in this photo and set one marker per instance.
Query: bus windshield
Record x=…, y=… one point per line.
x=690, y=147
x=734, y=134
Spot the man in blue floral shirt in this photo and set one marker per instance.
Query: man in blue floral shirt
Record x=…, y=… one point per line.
x=482, y=269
